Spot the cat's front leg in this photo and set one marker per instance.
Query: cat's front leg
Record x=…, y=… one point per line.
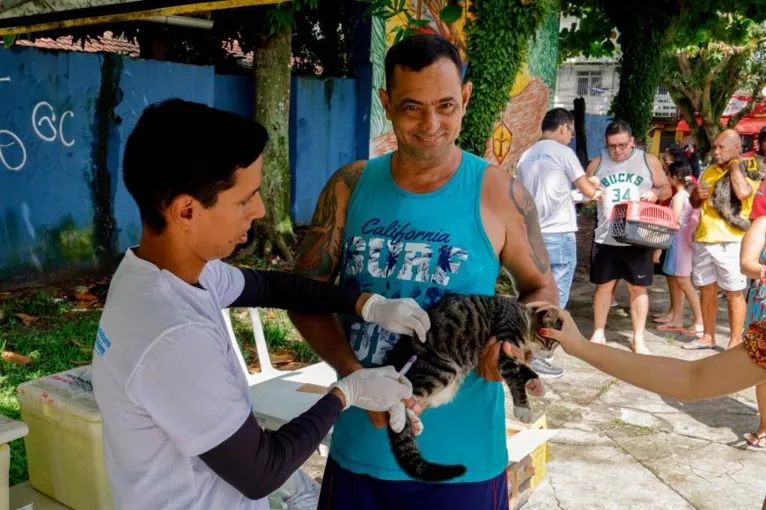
x=516, y=374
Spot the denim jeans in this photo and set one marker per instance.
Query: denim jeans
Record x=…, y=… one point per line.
x=562, y=252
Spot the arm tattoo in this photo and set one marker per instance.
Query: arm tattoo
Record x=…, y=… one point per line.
x=320, y=250
x=525, y=204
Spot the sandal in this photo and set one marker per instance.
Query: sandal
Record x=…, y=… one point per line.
x=696, y=346
x=666, y=327
x=755, y=442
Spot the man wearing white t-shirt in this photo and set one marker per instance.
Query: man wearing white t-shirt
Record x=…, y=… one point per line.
x=177, y=413
x=548, y=169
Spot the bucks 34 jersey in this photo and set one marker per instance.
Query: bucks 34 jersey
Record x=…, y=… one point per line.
x=622, y=181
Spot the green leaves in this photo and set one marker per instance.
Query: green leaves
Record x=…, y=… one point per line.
x=8, y=41
x=497, y=48
x=450, y=14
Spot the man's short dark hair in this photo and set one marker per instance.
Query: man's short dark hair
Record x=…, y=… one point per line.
x=418, y=51
x=179, y=147
x=618, y=126
x=762, y=136
x=557, y=117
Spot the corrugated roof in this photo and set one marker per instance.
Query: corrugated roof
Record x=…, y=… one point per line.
x=107, y=43
x=103, y=44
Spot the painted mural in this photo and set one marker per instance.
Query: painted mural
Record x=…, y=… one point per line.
x=519, y=125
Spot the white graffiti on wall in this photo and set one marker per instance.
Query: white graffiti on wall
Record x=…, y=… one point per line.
x=49, y=128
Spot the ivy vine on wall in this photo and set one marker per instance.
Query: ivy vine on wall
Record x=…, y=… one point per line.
x=498, y=38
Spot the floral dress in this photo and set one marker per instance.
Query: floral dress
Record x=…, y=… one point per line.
x=755, y=324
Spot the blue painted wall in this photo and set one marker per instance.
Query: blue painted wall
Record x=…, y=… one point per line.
x=47, y=113
x=144, y=82
x=595, y=126
x=323, y=119
x=49, y=134
x=47, y=215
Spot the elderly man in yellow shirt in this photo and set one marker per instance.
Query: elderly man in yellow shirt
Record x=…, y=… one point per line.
x=717, y=244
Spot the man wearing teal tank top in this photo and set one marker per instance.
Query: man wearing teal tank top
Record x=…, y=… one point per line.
x=423, y=221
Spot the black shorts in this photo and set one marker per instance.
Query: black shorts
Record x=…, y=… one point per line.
x=630, y=263
x=658, y=268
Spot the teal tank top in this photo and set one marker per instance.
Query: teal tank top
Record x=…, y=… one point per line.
x=424, y=246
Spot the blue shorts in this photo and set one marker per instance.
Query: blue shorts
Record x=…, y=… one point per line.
x=344, y=490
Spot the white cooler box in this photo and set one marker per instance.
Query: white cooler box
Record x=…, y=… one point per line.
x=65, y=449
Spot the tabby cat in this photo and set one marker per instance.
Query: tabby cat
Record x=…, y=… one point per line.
x=723, y=199
x=461, y=326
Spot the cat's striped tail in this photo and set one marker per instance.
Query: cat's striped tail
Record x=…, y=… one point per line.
x=407, y=454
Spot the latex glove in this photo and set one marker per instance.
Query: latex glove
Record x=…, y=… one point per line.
x=403, y=316
x=374, y=389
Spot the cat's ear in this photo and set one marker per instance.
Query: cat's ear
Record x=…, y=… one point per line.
x=545, y=319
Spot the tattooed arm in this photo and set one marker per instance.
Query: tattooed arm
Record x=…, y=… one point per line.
x=319, y=258
x=524, y=256
x=510, y=219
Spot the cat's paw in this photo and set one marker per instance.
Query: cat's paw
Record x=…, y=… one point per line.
x=523, y=414
x=417, y=425
x=397, y=418
x=536, y=388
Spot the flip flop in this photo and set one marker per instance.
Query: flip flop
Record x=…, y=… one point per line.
x=758, y=444
x=665, y=327
x=695, y=346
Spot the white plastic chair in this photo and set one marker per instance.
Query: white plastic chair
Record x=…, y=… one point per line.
x=278, y=395
x=267, y=370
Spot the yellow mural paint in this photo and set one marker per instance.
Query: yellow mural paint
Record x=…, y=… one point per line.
x=522, y=80
x=501, y=141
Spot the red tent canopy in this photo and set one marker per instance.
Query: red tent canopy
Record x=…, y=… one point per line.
x=751, y=124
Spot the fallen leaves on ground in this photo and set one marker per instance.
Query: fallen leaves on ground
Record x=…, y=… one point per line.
x=26, y=319
x=82, y=347
x=85, y=296
x=18, y=359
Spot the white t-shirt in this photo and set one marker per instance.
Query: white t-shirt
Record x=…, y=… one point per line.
x=547, y=170
x=169, y=386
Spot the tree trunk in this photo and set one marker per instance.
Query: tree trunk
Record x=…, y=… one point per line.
x=271, y=63
x=642, y=35
x=581, y=139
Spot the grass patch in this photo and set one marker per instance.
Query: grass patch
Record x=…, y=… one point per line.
x=47, y=341
x=605, y=387
x=281, y=338
x=622, y=423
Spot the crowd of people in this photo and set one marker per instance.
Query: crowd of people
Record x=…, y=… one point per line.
x=710, y=256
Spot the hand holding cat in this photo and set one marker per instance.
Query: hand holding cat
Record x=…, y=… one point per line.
x=487, y=368
x=403, y=316
x=569, y=335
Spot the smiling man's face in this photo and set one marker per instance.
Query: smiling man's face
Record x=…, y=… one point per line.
x=426, y=109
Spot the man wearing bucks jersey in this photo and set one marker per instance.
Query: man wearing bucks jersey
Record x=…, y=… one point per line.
x=626, y=174
x=423, y=221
